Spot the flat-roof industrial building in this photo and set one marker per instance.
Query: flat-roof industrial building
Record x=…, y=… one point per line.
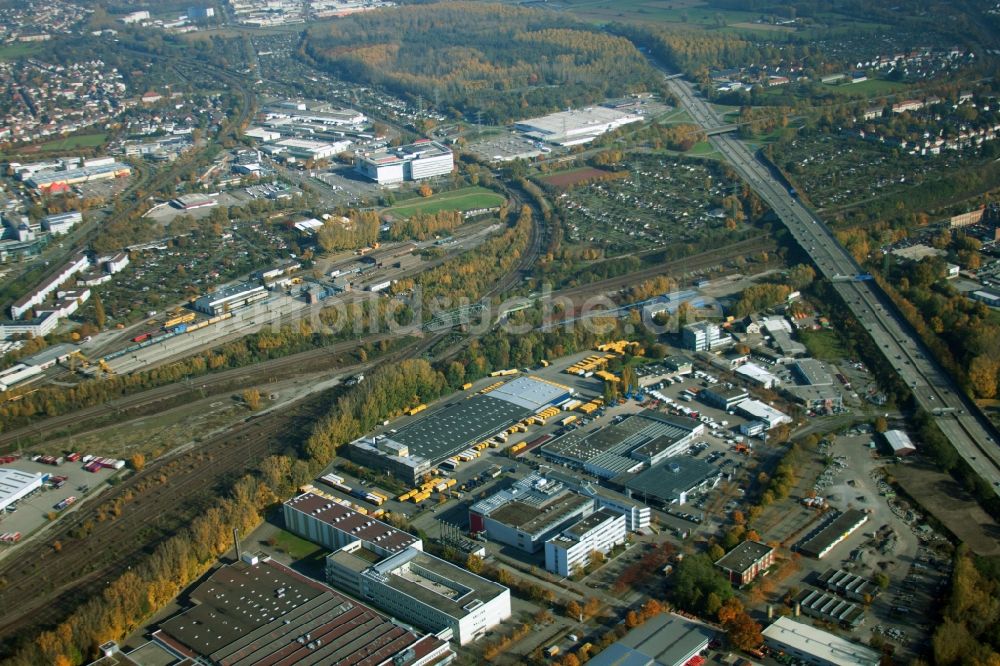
x=815, y=646
x=423, y=159
x=841, y=526
x=233, y=297
x=671, y=481
x=830, y=608
x=15, y=484
x=763, y=412
x=746, y=561
x=848, y=585
x=637, y=515
x=249, y=614
x=576, y=126
x=528, y=513
x=333, y=526
x=437, y=435
x=663, y=640
x=811, y=372
x=52, y=181
x=636, y=441
x=427, y=591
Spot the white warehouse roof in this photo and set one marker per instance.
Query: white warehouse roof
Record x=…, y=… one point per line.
x=758, y=374
x=822, y=645
x=755, y=409
x=900, y=442
x=15, y=484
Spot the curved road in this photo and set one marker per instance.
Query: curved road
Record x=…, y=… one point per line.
x=959, y=418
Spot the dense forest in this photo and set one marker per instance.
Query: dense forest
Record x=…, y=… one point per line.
x=507, y=62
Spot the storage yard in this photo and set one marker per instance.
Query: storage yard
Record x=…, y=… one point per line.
x=61, y=483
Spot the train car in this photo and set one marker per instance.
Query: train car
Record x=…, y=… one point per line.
x=185, y=318
x=142, y=337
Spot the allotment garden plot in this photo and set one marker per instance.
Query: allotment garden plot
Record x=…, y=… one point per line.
x=660, y=201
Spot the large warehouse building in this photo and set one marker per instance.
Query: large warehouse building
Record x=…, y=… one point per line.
x=423, y=159
x=57, y=181
x=334, y=526
x=637, y=441
x=254, y=613
x=663, y=640
x=815, y=646
x=670, y=482
x=421, y=589
x=230, y=298
x=413, y=449
x=15, y=484
x=840, y=527
x=571, y=128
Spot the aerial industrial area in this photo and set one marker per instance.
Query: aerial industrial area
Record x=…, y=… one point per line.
x=355, y=332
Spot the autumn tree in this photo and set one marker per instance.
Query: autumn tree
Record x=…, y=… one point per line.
x=251, y=398
x=474, y=563
x=138, y=461
x=573, y=610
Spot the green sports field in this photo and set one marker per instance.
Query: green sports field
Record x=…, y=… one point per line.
x=468, y=198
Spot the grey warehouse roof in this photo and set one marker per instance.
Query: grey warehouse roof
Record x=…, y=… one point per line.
x=664, y=640
x=670, y=478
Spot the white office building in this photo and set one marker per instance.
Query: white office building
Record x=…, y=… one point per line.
x=421, y=589
x=571, y=550
x=61, y=223
x=814, y=646
x=417, y=161
x=15, y=484
x=704, y=336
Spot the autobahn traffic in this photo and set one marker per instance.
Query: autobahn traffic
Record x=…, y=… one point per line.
x=959, y=419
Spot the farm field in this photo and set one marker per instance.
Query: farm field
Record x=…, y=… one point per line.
x=468, y=198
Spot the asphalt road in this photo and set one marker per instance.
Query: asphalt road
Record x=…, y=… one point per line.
x=959, y=418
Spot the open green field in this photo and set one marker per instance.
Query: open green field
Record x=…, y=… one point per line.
x=11, y=51
x=73, y=142
x=869, y=88
x=467, y=198
x=824, y=345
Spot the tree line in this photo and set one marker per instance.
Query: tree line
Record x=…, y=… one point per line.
x=506, y=62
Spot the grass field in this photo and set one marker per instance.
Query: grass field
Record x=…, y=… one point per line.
x=869, y=88
x=73, y=142
x=11, y=51
x=468, y=198
x=824, y=345
x=297, y=549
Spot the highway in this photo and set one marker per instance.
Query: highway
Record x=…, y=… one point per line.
x=959, y=418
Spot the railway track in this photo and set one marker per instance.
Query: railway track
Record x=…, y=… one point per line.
x=42, y=583
x=695, y=262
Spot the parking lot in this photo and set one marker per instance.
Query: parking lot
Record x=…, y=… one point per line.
x=33, y=511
